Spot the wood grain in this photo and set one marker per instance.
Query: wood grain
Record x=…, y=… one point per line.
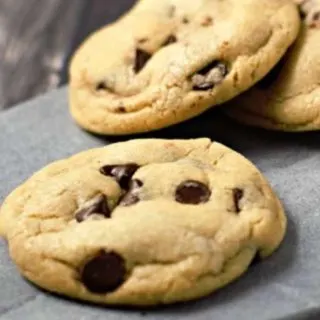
x=37, y=38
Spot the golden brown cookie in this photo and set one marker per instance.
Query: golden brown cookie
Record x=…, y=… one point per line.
x=288, y=99
x=142, y=222
x=168, y=61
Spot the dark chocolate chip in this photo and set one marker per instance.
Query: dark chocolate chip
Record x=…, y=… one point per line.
x=211, y=75
x=135, y=184
x=98, y=205
x=237, y=196
x=272, y=76
x=316, y=16
x=185, y=20
x=143, y=40
x=121, y=110
x=131, y=197
x=104, y=273
x=171, y=39
x=302, y=13
x=101, y=86
x=315, y=20
x=142, y=57
x=122, y=173
x=192, y=192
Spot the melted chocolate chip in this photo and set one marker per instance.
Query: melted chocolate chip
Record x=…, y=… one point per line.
x=208, y=77
x=121, y=110
x=131, y=197
x=185, y=20
x=272, y=76
x=302, y=13
x=171, y=39
x=237, y=196
x=142, y=57
x=104, y=273
x=101, y=86
x=122, y=173
x=98, y=205
x=192, y=192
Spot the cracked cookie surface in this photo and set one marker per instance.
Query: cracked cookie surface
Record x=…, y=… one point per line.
x=167, y=61
x=142, y=222
x=288, y=99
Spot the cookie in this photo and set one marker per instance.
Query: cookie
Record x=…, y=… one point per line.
x=143, y=222
x=288, y=99
x=168, y=61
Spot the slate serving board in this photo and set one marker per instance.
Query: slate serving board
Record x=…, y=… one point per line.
x=286, y=286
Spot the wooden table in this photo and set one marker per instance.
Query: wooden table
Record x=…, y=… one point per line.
x=37, y=38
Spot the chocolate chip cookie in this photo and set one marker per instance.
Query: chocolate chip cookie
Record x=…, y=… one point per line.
x=168, y=61
x=288, y=99
x=142, y=222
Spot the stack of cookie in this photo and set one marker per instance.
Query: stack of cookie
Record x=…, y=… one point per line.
x=163, y=63
x=151, y=221
x=288, y=98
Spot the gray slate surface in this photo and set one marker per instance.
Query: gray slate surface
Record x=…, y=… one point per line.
x=286, y=286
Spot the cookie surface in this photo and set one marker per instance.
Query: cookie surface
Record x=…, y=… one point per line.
x=142, y=222
x=168, y=61
x=288, y=98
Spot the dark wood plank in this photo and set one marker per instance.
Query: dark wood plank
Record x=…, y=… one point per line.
x=37, y=38
x=34, y=36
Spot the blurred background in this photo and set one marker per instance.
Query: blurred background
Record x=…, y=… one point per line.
x=37, y=38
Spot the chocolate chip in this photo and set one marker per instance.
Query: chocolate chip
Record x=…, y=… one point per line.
x=131, y=197
x=171, y=39
x=272, y=76
x=316, y=16
x=237, y=196
x=98, y=205
x=135, y=184
x=211, y=75
x=104, y=273
x=192, y=192
x=142, y=57
x=315, y=20
x=302, y=13
x=122, y=173
x=101, y=86
x=185, y=20
x=143, y=40
x=121, y=109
